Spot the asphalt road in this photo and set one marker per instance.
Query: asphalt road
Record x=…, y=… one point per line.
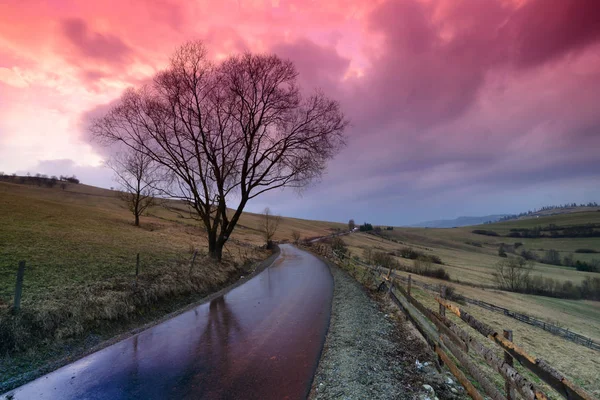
x=261, y=340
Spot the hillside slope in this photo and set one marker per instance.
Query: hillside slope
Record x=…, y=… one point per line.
x=80, y=284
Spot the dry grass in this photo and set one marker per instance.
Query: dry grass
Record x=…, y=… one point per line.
x=579, y=364
x=80, y=247
x=474, y=265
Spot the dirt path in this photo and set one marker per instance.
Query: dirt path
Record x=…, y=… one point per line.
x=370, y=353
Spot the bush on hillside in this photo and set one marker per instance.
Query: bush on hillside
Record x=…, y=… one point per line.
x=586, y=251
x=502, y=252
x=551, y=257
x=529, y=255
x=592, y=266
x=366, y=227
x=484, y=232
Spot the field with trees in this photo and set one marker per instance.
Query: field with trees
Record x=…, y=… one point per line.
x=476, y=265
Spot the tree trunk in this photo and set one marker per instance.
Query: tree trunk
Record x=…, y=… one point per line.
x=137, y=220
x=215, y=247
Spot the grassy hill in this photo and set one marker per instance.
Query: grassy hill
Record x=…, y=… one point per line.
x=80, y=246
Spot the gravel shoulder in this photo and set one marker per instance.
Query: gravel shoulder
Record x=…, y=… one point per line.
x=371, y=351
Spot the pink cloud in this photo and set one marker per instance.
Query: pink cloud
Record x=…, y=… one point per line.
x=443, y=95
x=98, y=46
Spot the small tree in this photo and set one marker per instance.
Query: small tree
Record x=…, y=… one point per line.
x=568, y=260
x=270, y=225
x=513, y=273
x=421, y=265
x=296, y=237
x=339, y=247
x=351, y=225
x=552, y=257
x=137, y=175
x=502, y=252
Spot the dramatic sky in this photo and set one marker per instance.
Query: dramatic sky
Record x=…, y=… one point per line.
x=457, y=107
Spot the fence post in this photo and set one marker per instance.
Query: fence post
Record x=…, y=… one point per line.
x=508, y=359
x=389, y=273
x=391, y=287
x=137, y=267
x=19, y=287
x=409, y=285
x=193, y=260
x=443, y=296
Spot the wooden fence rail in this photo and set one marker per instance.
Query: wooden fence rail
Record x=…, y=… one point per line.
x=547, y=326
x=445, y=337
x=441, y=342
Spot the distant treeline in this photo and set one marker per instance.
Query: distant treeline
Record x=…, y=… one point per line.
x=550, y=231
x=367, y=227
x=39, y=180
x=546, y=208
x=589, y=289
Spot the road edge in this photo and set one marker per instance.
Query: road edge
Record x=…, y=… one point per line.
x=30, y=376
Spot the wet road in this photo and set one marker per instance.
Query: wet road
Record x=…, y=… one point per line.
x=262, y=340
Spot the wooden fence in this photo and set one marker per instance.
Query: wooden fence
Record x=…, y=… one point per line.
x=456, y=347
x=446, y=337
x=547, y=326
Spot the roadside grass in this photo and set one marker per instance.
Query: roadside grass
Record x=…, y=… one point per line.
x=473, y=265
x=80, y=246
x=579, y=364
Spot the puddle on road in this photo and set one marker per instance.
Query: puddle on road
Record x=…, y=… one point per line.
x=262, y=340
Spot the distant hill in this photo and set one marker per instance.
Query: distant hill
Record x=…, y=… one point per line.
x=458, y=222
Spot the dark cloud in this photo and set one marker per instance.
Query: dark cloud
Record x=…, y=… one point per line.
x=318, y=66
x=465, y=107
x=104, y=47
x=543, y=30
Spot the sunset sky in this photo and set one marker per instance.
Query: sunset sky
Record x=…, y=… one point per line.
x=457, y=107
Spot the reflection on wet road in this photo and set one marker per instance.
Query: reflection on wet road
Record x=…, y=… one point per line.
x=262, y=340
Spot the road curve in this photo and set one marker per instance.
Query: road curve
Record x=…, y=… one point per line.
x=261, y=340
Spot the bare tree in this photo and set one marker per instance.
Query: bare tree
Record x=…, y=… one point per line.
x=296, y=237
x=233, y=130
x=351, y=225
x=138, y=176
x=270, y=225
x=513, y=273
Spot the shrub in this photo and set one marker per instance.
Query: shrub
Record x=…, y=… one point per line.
x=439, y=273
x=366, y=227
x=586, y=251
x=502, y=252
x=385, y=260
x=484, y=232
x=568, y=260
x=551, y=257
x=452, y=295
x=529, y=255
x=409, y=252
x=593, y=266
x=338, y=245
x=517, y=245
